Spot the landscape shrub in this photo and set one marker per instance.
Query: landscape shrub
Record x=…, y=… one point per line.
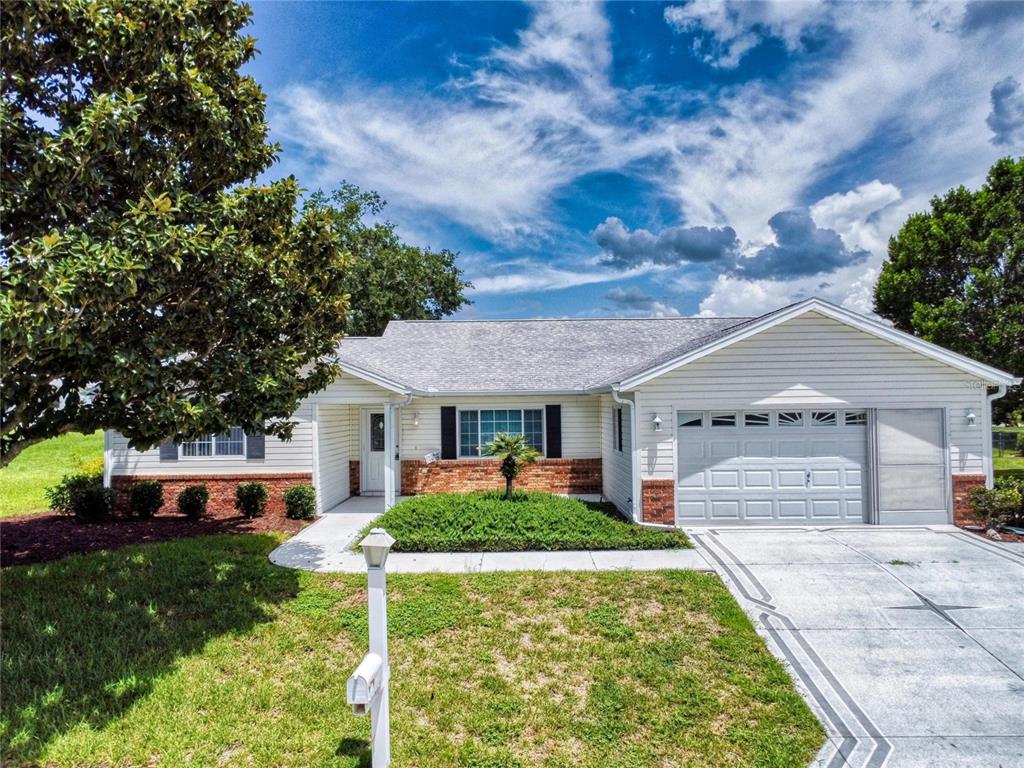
x=1020, y=443
x=251, y=499
x=300, y=502
x=1002, y=505
x=530, y=520
x=145, y=498
x=82, y=495
x=192, y=501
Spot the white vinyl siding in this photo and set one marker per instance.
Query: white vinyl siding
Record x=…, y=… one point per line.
x=812, y=362
x=581, y=428
x=334, y=432
x=616, y=465
x=349, y=389
x=284, y=457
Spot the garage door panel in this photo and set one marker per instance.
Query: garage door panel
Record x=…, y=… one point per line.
x=692, y=480
x=691, y=450
x=826, y=508
x=791, y=448
x=757, y=478
x=757, y=449
x=758, y=509
x=825, y=478
x=724, y=449
x=725, y=509
x=854, y=510
x=725, y=479
x=692, y=510
x=791, y=478
x=853, y=478
x=792, y=508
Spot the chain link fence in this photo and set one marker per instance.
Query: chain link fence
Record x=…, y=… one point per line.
x=1005, y=443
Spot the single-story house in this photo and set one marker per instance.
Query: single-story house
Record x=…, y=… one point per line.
x=811, y=414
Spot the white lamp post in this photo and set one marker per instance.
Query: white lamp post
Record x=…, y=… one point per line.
x=368, y=686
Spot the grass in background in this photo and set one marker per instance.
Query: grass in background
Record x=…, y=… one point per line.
x=201, y=652
x=485, y=522
x=24, y=481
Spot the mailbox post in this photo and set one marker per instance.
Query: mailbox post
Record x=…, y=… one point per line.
x=368, y=685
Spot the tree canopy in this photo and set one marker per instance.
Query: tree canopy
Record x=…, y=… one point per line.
x=955, y=275
x=151, y=285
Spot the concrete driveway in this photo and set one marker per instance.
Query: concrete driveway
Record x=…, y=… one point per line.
x=907, y=642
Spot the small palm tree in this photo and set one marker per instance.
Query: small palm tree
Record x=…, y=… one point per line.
x=515, y=453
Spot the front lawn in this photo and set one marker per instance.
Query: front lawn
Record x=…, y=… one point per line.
x=485, y=522
x=23, y=482
x=200, y=652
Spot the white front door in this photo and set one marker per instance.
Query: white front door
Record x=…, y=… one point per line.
x=772, y=466
x=373, y=453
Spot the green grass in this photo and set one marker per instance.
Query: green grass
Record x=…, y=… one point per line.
x=200, y=652
x=484, y=522
x=24, y=481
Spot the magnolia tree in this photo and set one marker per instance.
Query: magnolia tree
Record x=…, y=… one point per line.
x=151, y=285
x=515, y=453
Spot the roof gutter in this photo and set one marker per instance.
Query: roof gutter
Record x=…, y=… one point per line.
x=636, y=508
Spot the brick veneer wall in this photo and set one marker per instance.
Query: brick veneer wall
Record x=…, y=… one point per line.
x=221, y=488
x=659, y=501
x=454, y=475
x=354, y=478
x=962, y=486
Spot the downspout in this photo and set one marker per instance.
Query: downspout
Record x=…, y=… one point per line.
x=395, y=460
x=634, y=445
x=989, y=473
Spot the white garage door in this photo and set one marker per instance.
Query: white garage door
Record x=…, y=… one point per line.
x=764, y=466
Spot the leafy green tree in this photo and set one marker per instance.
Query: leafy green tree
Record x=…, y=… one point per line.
x=388, y=279
x=150, y=285
x=515, y=453
x=955, y=275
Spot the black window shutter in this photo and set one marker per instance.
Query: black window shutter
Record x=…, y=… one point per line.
x=448, y=432
x=168, y=450
x=255, y=445
x=618, y=429
x=553, y=431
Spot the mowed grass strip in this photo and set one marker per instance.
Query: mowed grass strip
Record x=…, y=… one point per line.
x=24, y=481
x=200, y=652
x=485, y=522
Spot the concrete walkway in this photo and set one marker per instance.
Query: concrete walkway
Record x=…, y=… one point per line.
x=907, y=642
x=325, y=547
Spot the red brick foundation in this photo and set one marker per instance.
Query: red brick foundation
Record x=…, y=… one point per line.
x=659, y=504
x=354, y=478
x=460, y=475
x=221, y=488
x=962, y=487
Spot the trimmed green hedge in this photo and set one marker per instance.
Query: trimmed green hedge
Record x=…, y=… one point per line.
x=484, y=522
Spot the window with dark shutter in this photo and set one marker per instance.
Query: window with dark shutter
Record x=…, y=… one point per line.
x=553, y=431
x=449, y=432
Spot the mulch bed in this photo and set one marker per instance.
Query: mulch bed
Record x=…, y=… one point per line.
x=39, y=538
x=1003, y=535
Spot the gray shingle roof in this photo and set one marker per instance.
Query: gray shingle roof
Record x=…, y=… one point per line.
x=525, y=355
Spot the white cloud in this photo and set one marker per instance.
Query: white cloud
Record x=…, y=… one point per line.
x=528, y=275
x=731, y=29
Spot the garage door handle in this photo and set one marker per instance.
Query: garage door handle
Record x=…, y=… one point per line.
x=807, y=479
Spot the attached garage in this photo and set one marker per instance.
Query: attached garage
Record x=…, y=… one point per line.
x=812, y=415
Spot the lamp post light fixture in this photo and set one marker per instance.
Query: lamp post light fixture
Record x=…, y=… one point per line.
x=656, y=423
x=368, y=685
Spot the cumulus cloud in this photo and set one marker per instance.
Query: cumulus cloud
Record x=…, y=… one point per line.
x=1007, y=116
x=725, y=31
x=801, y=248
x=672, y=246
x=986, y=13
x=634, y=300
x=522, y=275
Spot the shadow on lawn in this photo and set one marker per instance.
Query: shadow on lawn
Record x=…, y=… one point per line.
x=84, y=637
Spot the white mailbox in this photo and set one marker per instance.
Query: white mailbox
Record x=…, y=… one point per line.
x=366, y=683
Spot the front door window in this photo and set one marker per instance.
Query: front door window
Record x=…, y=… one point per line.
x=376, y=431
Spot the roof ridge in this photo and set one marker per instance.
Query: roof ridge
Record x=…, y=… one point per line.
x=558, y=320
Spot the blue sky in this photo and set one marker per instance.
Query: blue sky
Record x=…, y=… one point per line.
x=646, y=158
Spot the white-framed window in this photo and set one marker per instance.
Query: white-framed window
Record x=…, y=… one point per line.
x=824, y=418
x=230, y=443
x=757, y=419
x=791, y=418
x=855, y=418
x=690, y=419
x=723, y=419
x=477, y=427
